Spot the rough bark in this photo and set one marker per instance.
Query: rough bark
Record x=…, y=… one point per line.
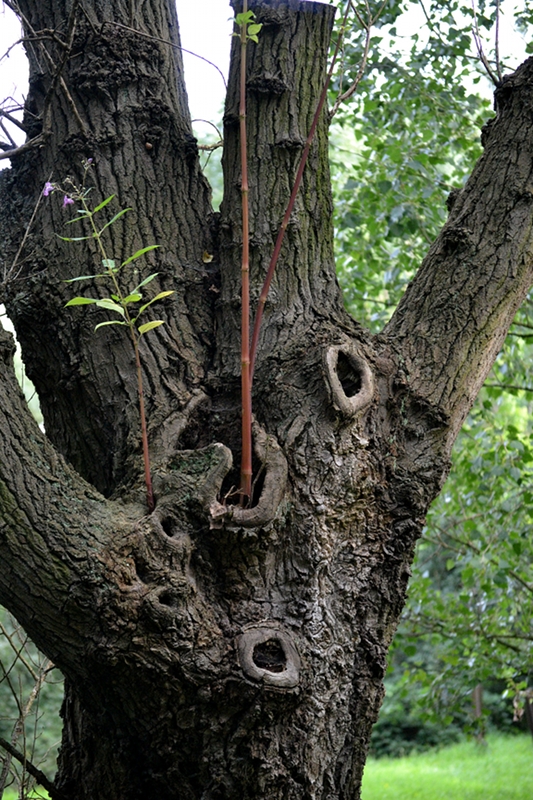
x=212, y=651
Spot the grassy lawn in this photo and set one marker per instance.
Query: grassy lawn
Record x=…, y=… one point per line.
x=500, y=770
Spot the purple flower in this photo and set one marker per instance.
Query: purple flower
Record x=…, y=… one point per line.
x=48, y=188
x=67, y=201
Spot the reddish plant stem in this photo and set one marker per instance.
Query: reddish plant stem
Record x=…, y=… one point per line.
x=290, y=206
x=246, y=387
x=144, y=433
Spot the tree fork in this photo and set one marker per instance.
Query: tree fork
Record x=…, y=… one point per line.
x=228, y=657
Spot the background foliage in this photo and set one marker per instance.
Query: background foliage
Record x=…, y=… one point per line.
x=409, y=138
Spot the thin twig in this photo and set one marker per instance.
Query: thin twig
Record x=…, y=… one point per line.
x=497, y=41
x=11, y=118
x=37, y=141
x=479, y=47
x=18, y=728
x=165, y=41
x=211, y=147
x=364, y=60
x=510, y=386
x=17, y=650
x=285, y=221
x=34, y=771
x=11, y=270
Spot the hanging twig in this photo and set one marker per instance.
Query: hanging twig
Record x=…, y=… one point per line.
x=367, y=26
x=290, y=206
x=479, y=47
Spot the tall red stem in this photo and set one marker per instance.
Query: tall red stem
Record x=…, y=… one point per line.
x=146, y=455
x=246, y=385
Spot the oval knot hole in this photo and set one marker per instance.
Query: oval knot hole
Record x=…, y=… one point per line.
x=270, y=655
x=349, y=376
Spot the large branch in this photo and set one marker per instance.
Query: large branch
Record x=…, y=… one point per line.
x=51, y=522
x=455, y=314
x=116, y=96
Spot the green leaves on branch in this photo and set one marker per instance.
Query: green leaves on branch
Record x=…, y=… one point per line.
x=120, y=304
x=245, y=22
x=117, y=302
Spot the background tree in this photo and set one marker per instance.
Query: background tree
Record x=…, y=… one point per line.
x=211, y=650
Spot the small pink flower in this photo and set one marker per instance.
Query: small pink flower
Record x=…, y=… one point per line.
x=48, y=188
x=67, y=201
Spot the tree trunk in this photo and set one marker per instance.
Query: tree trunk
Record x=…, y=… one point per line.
x=213, y=651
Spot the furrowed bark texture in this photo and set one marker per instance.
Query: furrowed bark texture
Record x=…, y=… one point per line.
x=132, y=119
x=213, y=651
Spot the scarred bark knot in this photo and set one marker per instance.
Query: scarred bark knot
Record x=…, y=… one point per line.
x=271, y=456
x=349, y=379
x=268, y=655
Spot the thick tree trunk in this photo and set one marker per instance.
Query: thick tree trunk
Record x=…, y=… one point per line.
x=212, y=651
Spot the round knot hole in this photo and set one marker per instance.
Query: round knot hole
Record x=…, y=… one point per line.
x=270, y=655
x=349, y=375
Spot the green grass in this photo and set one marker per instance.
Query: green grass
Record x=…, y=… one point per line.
x=500, y=770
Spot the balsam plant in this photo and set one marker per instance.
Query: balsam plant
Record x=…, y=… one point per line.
x=127, y=305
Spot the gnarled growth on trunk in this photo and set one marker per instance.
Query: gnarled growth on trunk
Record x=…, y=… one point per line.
x=212, y=651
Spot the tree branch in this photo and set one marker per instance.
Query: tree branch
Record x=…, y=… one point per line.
x=457, y=310
x=36, y=773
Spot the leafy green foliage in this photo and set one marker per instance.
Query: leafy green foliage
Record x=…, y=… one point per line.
x=245, y=21
x=407, y=139
x=409, y=136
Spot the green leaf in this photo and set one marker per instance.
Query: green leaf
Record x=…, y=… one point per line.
x=80, y=301
x=146, y=281
x=244, y=18
x=153, y=300
x=74, y=238
x=109, y=263
x=110, y=322
x=114, y=219
x=140, y=253
x=134, y=297
x=85, y=278
x=148, y=326
x=109, y=305
x=103, y=204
